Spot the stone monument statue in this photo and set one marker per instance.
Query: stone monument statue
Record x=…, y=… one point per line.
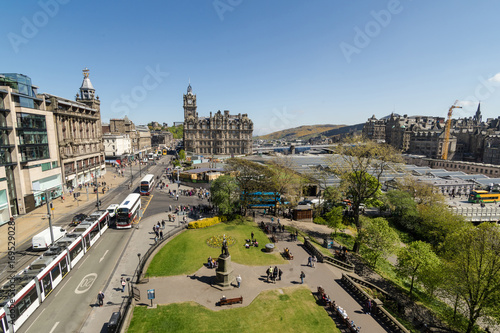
x=224, y=271
x=225, y=251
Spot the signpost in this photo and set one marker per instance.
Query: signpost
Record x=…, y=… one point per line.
x=151, y=295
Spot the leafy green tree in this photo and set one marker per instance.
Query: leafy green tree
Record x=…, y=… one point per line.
x=416, y=260
x=360, y=165
x=182, y=155
x=403, y=207
x=334, y=219
x=224, y=194
x=473, y=255
x=332, y=195
x=380, y=239
x=435, y=222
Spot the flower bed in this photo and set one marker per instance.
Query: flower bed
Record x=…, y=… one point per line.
x=216, y=241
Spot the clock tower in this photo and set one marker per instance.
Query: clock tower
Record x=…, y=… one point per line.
x=190, y=104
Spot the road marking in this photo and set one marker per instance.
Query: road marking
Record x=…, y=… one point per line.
x=63, y=286
x=87, y=282
x=103, y=255
x=53, y=328
x=34, y=321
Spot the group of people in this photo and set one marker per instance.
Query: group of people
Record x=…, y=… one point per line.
x=211, y=263
x=158, y=231
x=274, y=274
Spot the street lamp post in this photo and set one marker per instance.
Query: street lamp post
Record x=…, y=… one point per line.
x=137, y=269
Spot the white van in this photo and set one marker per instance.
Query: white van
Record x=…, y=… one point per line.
x=42, y=241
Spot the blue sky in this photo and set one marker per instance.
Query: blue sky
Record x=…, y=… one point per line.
x=285, y=63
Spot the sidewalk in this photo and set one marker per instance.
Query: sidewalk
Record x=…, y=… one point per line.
x=35, y=221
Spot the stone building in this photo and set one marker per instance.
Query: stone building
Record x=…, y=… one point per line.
x=140, y=136
x=79, y=135
x=161, y=138
x=221, y=133
x=471, y=139
x=29, y=156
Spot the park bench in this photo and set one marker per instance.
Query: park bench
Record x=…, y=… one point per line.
x=229, y=301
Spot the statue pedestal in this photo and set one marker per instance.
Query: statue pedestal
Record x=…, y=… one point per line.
x=224, y=272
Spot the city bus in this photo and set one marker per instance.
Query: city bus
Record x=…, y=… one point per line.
x=147, y=184
x=483, y=196
x=127, y=211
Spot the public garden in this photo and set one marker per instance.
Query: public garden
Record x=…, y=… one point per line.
x=286, y=305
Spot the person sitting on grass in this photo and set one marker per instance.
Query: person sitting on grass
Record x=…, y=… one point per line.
x=256, y=244
x=247, y=245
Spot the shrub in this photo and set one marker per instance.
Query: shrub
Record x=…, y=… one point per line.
x=204, y=223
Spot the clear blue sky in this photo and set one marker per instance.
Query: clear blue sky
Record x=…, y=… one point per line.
x=285, y=63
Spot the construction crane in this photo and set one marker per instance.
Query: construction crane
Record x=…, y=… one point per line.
x=447, y=128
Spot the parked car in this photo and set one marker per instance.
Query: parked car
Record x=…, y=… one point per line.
x=78, y=219
x=112, y=209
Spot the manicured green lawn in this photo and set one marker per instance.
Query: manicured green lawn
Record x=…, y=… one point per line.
x=294, y=310
x=187, y=252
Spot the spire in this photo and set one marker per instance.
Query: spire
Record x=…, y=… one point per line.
x=87, y=91
x=478, y=116
x=189, y=90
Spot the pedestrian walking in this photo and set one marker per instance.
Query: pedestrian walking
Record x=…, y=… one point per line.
x=313, y=261
x=302, y=276
x=369, y=306
x=280, y=272
x=163, y=224
x=238, y=280
x=309, y=261
x=161, y=234
x=123, y=284
x=100, y=298
x=251, y=238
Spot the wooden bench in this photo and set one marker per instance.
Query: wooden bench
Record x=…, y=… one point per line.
x=229, y=301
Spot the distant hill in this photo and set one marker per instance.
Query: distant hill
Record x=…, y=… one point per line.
x=306, y=132
x=302, y=132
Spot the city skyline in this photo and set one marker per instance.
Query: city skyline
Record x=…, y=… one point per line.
x=285, y=64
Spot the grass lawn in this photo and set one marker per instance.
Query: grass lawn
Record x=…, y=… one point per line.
x=294, y=310
x=187, y=252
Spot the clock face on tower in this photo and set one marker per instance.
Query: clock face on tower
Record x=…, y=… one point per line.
x=190, y=101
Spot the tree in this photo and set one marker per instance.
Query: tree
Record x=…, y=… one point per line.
x=416, y=260
x=422, y=192
x=435, y=222
x=224, y=194
x=380, y=239
x=332, y=195
x=182, y=155
x=403, y=207
x=285, y=181
x=250, y=177
x=360, y=165
x=473, y=255
x=334, y=219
